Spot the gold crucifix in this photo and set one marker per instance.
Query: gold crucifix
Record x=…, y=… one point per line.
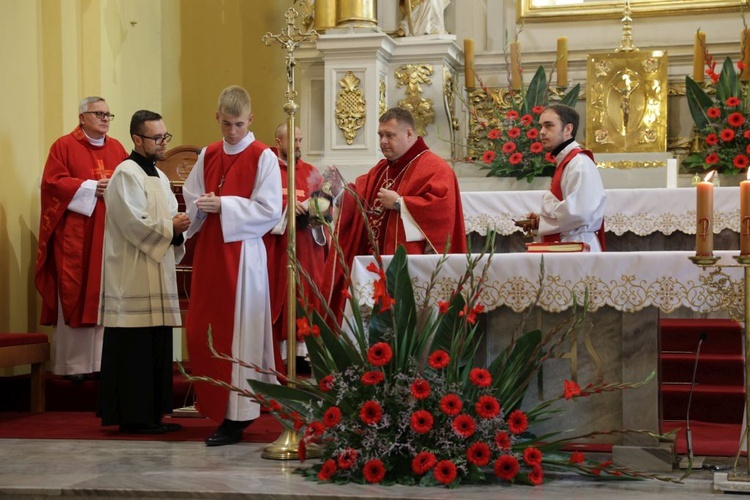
x=285, y=446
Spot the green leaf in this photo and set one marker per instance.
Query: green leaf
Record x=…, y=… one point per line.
x=513, y=369
x=538, y=93
x=698, y=102
x=571, y=97
x=729, y=83
x=296, y=399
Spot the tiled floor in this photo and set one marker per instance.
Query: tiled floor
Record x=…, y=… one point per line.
x=40, y=469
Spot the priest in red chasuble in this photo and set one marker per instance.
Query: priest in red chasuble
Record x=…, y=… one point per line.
x=410, y=198
x=311, y=241
x=71, y=231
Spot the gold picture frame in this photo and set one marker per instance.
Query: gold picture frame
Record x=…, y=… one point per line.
x=540, y=10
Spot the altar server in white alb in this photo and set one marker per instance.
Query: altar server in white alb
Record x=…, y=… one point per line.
x=233, y=197
x=573, y=208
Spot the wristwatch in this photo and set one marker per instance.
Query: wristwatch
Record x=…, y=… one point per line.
x=397, y=204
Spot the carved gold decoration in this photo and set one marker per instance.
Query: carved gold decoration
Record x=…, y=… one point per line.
x=382, y=101
x=306, y=9
x=357, y=13
x=449, y=100
x=626, y=105
x=412, y=76
x=486, y=105
x=350, y=107
x=630, y=164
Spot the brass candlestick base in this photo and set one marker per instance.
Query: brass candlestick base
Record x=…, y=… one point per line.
x=704, y=260
x=742, y=259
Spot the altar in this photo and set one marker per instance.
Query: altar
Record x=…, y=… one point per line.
x=627, y=293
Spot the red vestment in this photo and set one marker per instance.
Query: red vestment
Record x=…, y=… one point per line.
x=309, y=254
x=69, y=253
x=428, y=189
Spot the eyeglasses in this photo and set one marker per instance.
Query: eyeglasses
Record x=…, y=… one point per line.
x=100, y=114
x=158, y=139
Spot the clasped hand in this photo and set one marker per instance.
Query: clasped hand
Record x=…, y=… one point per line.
x=180, y=223
x=209, y=203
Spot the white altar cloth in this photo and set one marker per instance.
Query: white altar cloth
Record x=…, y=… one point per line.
x=640, y=211
x=625, y=281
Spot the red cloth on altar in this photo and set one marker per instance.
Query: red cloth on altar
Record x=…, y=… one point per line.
x=69, y=253
x=429, y=190
x=309, y=254
x=214, y=282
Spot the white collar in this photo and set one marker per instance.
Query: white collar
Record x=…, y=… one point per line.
x=92, y=141
x=233, y=149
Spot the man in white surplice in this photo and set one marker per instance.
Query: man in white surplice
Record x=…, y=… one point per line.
x=233, y=197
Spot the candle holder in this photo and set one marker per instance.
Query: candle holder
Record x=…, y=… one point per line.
x=704, y=260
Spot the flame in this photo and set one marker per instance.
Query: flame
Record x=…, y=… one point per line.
x=710, y=175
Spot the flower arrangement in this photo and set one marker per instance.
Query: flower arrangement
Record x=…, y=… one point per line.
x=512, y=146
x=722, y=122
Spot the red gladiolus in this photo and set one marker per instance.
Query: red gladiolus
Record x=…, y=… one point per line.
x=274, y=405
x=515, y=158
x=480, y=377
x=576, y=457
x=727, y=135
x=421, y=421
x=478, y=454
x=302, y=450
x=488, y=156
x=345, y=293
x=711, y=159
x=733, y=102
x=487, y=407
x=506, y=467
x=571, y=390
x=380, y=295
x=372, y=377
x=517, y=422
x=445, y=471
x=374, y=268
x=443, y=306
x=740, y=161
x=328, y=469
x=423, y=462
x=713, y=112
x=471, y=316
x=509, y=147
x=514, y=132
x=374, y=471
x=464, y=425
x=736, y=120
x=532, y=456
x=532, y=133
x=439, y=359
x=493, y=134
x=712, y=139
x=536, y=147
x=536, y=476
x=420, y=389
x=502, y=440
x=303, y=328
x=332, y=417
x=347, y=459
x=326, y=383
x=451, y=404
x=379, y=354
x=371, y=413
x=512, y=114
x=550, y=158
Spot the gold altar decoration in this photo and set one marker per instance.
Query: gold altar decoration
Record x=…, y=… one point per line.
x=412, y=76
x=286, y=445
x=486, y=106
x=350, y=107
x=630, y=164
x=306, y=8
x=356, y=13
x=450, y=88
x=626, y=104
x=382, y=101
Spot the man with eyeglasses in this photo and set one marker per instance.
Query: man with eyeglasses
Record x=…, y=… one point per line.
x=71, y=229
x=139, y=307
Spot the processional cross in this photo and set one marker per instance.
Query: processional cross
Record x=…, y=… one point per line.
x=290, y=38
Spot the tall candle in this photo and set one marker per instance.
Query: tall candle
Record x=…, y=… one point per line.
x=704, y=235
x=699, y=56
x=745, y=48
x=469, y=62
x=745, y=217
x=515, y=65
x=562, y=61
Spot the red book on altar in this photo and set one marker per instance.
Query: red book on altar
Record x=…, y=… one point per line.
x=558, y=246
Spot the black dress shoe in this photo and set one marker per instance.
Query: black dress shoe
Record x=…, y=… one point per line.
x=170, y=427
x=229, y=432
x=143, y=429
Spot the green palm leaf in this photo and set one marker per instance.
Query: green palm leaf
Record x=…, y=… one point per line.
x=698, y=102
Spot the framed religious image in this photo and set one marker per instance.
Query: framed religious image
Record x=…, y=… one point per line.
x=626, y=102
x=581, y=10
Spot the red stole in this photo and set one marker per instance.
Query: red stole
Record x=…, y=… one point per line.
x=215, y=271
x=556, y=189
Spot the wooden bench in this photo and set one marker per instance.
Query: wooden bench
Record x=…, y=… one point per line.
x=17, y=349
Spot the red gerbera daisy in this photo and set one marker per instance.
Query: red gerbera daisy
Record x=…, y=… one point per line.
x=445, y=471
x=502, y=440
x=347, y=459
x=713, y=112
x=464, y=425
x=512, y=114
x=493, y=134
x=536, y=476
x=379, y=354
x=372, y=377
x=314, y=429
x=488, y=156
x=515, y=158
x=740, y=161
x=711, y=159
x=450, y=404
x=537, y=110
x=487, y=407
x=328, y=469
x=509, y=147
x=733, y=102
x=439, y=359
x=727, y=135
x=532, y=456
x=420, y=389
x=371, y=412
x=527, y=119
x=506, y=467
x=746, y=134
x=536, y=147
x=532, y=133
x=332, y=417
x=571, y=389
x=576, y=457
x=478, y=454
x=736, y=119
x=712, y=139
x=517, y=422
x=480, y=377
x=423, y=462
x=550, y=158
x=374, y=471
x=421, y=421
x=514, y=132
x=326, y=383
